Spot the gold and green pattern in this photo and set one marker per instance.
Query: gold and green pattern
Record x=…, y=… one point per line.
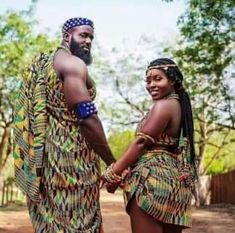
x=29, y=138
x=48, y=134
x=155, y=185
x=155, y=180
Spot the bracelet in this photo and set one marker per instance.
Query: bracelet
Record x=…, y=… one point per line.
x=111, y=176
x=145, y=136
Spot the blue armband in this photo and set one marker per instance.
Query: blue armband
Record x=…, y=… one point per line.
x=85, y=109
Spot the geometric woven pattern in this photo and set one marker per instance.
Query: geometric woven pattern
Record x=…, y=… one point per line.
x=155, y=180
x=48, y=139
x=157, y=189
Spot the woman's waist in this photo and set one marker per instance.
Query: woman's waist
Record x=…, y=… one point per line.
x=171, y=150
x=158, y=154
x=156, y=160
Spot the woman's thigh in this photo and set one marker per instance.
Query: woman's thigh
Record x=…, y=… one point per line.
x=170, y=228
x=143, y=222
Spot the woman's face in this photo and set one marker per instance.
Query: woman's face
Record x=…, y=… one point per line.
x=158, y=85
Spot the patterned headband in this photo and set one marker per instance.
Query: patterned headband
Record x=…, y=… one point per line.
x=164, y=67
x=74, y=22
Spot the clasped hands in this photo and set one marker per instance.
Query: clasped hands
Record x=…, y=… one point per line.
x=111, y=180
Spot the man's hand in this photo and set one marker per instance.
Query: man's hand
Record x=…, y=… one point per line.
x=110, y=187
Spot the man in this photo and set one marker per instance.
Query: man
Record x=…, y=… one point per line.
x=59, y=137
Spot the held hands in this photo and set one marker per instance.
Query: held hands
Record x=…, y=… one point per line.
x=111, y=180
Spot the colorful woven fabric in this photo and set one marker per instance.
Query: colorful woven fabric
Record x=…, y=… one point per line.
x=68, y=198
x=155, y=180
x=29, y=138
x=155, y=185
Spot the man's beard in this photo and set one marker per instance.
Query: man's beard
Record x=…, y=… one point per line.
x=76, y=50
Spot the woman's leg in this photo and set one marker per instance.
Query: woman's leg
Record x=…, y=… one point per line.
x=142, y=222
x=170, y=228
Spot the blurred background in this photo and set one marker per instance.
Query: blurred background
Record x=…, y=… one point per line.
x=198, y=35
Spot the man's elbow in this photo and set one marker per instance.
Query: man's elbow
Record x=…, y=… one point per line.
x=91, y=121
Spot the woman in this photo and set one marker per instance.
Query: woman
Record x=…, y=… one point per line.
x=161, y=157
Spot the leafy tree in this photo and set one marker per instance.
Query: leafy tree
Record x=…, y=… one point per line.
x=225, y=161
x=205, y=52
x=18, y=43
x=122, y=83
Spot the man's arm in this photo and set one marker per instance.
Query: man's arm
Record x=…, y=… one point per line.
x=74, y=72
x=92, y=130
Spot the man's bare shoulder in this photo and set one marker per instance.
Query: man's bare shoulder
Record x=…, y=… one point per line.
x=66, y=63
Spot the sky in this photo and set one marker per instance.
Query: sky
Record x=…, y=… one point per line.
x=115, y=20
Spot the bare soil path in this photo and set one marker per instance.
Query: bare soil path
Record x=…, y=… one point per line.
x=210, y=219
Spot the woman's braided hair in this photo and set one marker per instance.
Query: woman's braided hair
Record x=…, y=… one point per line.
x=173, y=73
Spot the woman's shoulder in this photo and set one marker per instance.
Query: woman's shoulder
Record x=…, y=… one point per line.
x=165, y=105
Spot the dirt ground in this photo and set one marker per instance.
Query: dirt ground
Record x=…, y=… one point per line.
x=210, y=219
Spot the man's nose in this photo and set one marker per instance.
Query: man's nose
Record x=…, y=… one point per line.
x=88, y=40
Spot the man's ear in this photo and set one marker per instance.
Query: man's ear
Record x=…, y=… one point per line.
x=67, y=37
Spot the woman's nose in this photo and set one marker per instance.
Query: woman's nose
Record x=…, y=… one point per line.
x=152, y=84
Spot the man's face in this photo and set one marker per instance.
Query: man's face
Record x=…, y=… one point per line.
x=80, y=42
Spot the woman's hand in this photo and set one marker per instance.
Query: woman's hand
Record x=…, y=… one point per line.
x=111, y=187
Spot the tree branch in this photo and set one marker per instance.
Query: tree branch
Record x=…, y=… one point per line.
x=134, y=106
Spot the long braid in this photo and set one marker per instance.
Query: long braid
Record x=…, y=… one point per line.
x=174, y=74
x=187, y=121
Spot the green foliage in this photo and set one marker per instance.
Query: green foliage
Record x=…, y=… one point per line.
x=119, y=141
x=18, y=44
x=205, y=53
x=225, y=160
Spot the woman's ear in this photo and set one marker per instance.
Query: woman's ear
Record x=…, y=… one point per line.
x=172, y=83
x=67, y=37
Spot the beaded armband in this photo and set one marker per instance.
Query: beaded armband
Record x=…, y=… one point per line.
x=111, y=176
x=145, y=136
x=85, y=109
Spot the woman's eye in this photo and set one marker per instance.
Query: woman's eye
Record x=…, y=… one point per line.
x=157, y=78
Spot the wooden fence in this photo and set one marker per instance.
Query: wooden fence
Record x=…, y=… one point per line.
x=223, y=188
